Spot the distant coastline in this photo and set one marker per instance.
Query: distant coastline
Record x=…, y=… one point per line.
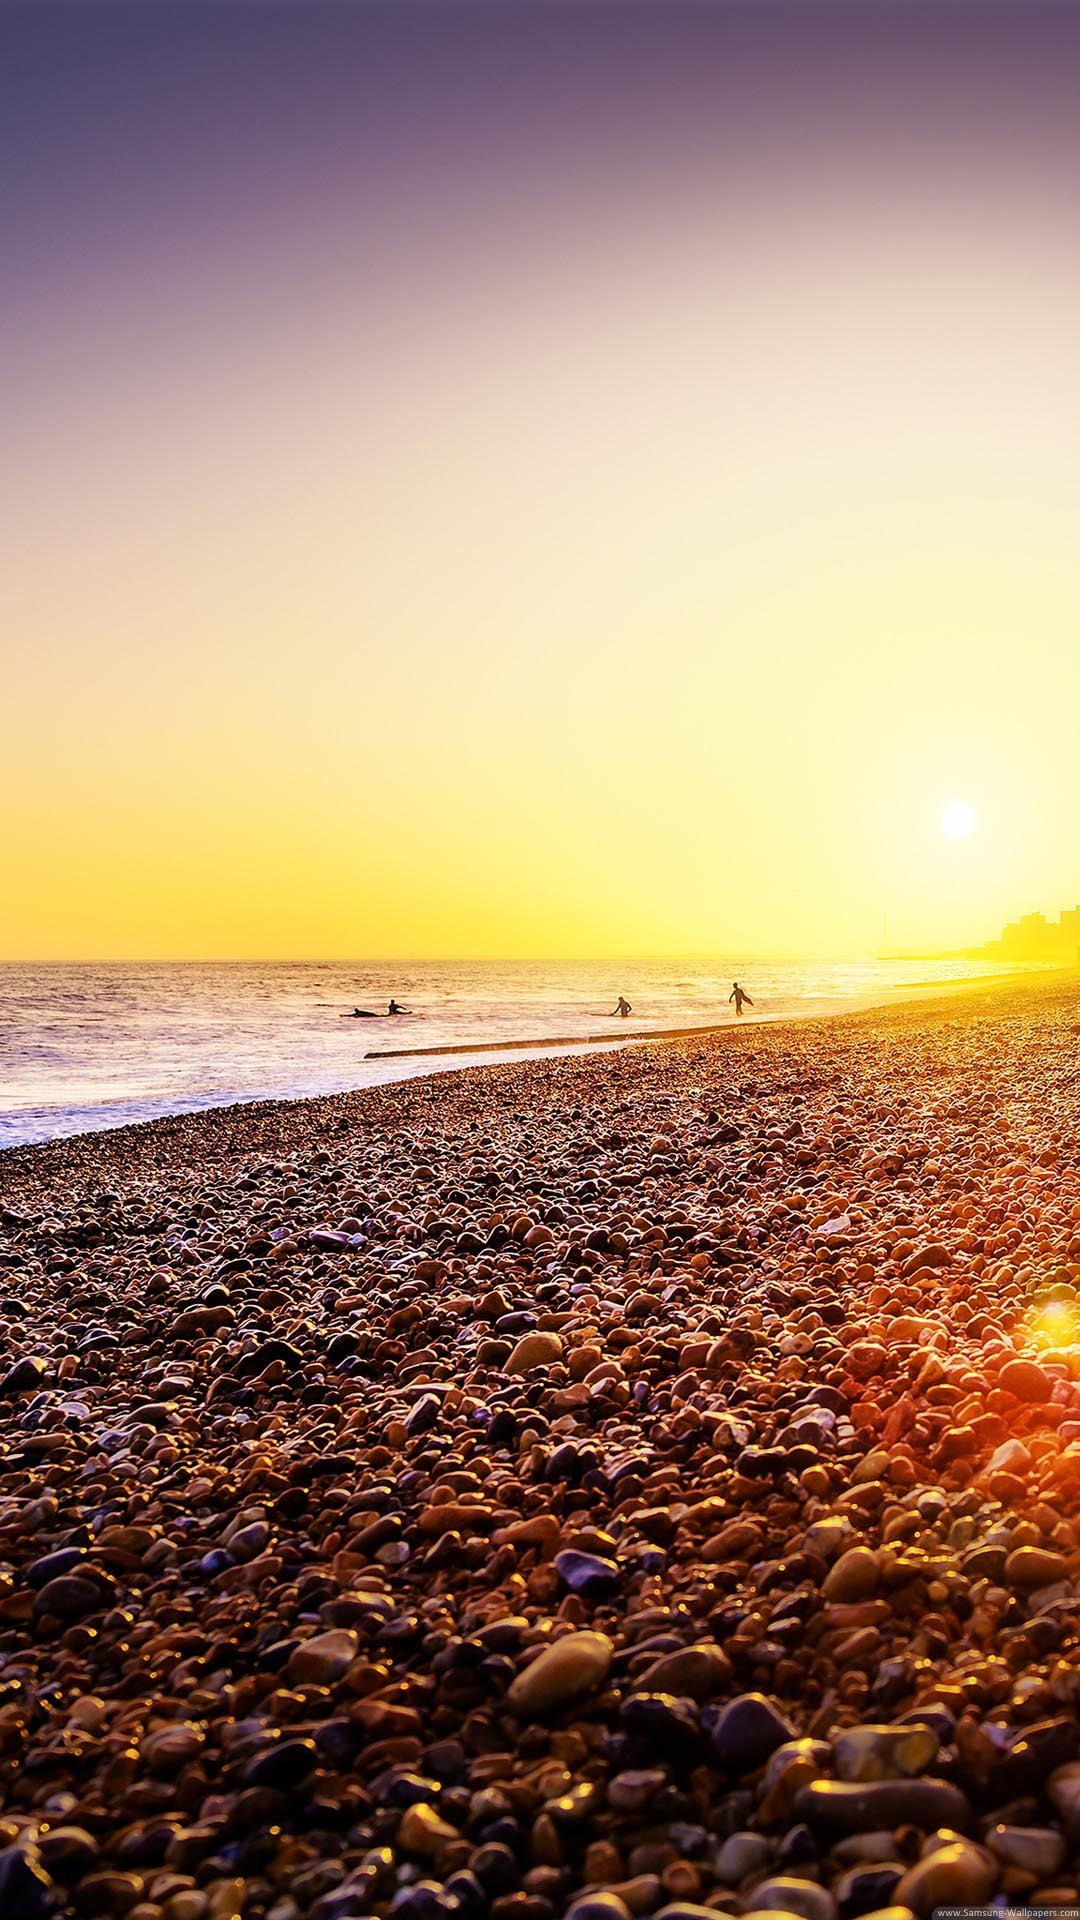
x=1033, y=939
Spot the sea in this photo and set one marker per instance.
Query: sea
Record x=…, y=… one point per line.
x=86, y=1047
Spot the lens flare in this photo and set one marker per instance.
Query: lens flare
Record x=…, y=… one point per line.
x=1054, y=1324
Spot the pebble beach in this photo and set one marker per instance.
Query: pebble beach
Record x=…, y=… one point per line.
x=643, y=1484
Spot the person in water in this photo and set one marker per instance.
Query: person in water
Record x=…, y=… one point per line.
x=622, y=1006
x=740, y=996
x=394, y=1008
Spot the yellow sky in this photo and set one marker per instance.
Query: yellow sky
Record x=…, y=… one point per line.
x=638, y=588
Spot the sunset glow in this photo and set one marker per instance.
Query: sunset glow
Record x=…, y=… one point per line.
x=572, y=489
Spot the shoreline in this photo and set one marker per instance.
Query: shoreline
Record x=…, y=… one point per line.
x=524, y=1050
x=651, y=1455
x=859, y=1003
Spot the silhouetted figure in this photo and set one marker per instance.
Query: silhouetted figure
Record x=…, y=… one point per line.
x=740, y=996
x=623, y=1007
x=394, y=1008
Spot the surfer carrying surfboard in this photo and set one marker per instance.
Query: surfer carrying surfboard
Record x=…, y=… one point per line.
x=740, y=996
x=622, y=1006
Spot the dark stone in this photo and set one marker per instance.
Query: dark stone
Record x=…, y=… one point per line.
x=495, y=1867
x=564, y=1464
x=834, y=1808
x=26, y=1890
x=985, y=1562
x=765, y=1463
x=338, y=1742
x=51, y=1565
x=68, y=1852
x=425, y=1900
x=667, y=1725
x=866, y=1889
x=587, y=1573
x=144, y=1846
x=747, y=1731
x=468, y=1895
x=70, y=1597
x=251, y=1364
x=1037, y=1751
x=797, y=1848
x=401, y=1787
x=424, y=1416
x=321, y=1466
x=25, y=1376
x=283, y=1765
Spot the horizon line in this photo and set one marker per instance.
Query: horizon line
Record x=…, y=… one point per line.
x=488, y=959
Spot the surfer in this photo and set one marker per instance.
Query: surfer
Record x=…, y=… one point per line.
x=740, y=996
x=622, y=1007
x=362, y=1013
x=394, y=1008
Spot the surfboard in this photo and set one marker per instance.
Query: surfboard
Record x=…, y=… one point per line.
x=365, y=1015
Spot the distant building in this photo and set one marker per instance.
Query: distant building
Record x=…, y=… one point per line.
x=1036, y=938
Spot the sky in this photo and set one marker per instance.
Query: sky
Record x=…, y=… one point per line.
x=537, y=479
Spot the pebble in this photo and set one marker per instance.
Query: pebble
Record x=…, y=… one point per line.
x=740, y=1856
x=69, y=1597
x=697, y=1672
x=324, y=1658
x=1037, y=1850
x=170, y=1748
x=854, y=1576
x=632, y=1790
x=284, y=1764
x=621, y=1486
x=587, y=1573
x=863, y=1887
x=884, y=1753
x=688, y=1910
x=1026, y=1380
x=25, y=1376
x=957, y=1874
x=534, y=1350
x=67, y=1852
x=1030, y=1567
x=572, y=1668
x=838, y=1807
x=785, y=1894
x=26, y=1890
x=422, y=1832
x=598, y=1906
x=747, y=1730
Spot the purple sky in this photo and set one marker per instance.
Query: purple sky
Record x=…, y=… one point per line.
x=145, y=139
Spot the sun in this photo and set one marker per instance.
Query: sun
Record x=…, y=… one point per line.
x=958, y=819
